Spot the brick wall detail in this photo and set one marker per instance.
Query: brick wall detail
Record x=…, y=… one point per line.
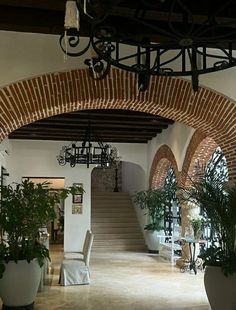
x=163, y=160
x=200, y=149
x=26, y=101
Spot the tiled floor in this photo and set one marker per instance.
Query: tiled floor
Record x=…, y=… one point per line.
x=125, y=281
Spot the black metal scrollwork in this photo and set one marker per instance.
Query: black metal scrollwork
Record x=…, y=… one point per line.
x=178, y=42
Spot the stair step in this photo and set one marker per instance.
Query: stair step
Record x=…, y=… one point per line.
x=120, y=249
x=98, y=243
x=113, y=220
x=115, y=210
x=115, y=224
x=113, y=215
x=112, y=205
x=118, y=236
x=116, y=230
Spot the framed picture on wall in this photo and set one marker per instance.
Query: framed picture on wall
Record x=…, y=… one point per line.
x=77, y=201
x=77, y=198
x=77, y=209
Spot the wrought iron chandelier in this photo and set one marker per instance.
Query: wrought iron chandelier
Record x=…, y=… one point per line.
x=102, y=155
x=152, y=37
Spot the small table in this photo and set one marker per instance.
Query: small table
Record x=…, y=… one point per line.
x=192, y=251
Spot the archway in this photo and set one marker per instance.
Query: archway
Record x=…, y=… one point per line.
x=200, y=148
x=163, y=160
x=26, y=101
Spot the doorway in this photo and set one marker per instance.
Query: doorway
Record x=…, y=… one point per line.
x=55, y=229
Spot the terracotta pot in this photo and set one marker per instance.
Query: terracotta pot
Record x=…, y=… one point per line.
x=20, y=283
x=221, y=290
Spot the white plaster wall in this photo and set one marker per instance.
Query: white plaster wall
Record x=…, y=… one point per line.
x=135, y=153
x=38, y=158
x=24, y=55
x=5, y=150
x=177, y=137
x=133, y=177
x=34, y=158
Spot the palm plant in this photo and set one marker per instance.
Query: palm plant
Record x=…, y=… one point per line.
x=218, y=201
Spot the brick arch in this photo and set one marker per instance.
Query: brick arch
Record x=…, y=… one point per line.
x=29, y=100
x=162, y=161
x=200, y=148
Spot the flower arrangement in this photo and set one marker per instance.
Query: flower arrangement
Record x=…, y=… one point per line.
x=196, y=222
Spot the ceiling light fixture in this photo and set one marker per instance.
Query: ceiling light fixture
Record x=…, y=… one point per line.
x=101, y=155
x=147, y=37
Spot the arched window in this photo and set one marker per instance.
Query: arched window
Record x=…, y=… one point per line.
x=216, y=168
x=172, y=218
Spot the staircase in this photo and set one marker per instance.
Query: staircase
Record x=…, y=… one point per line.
x=114, y=223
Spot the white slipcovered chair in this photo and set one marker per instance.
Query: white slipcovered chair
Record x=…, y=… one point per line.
x=75, y=267
x=82, y=255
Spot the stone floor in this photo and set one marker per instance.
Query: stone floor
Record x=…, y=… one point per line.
x=125, y=281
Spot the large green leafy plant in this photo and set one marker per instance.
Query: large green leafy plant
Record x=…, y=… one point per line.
x=218, y=201
x=24, y=209
x=152, y=200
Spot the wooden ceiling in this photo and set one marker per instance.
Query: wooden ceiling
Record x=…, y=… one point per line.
x=108, y=125
x=47, y=16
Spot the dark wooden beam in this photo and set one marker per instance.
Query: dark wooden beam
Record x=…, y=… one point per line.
x=62, y=138
x=31, y=20
x=52, y=5
x=122, y=126
x=96, y=126
x=80, y=135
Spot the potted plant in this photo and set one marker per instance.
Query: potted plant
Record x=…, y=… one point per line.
x=153, y=201
x=218, y=201
x=24, y=209
x=196, y=221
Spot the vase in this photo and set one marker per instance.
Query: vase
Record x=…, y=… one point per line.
x=197, y=234
x=19, y=284
x=154, y=240
x=220, y=289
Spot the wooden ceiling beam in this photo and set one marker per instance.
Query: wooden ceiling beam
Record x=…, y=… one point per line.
x=73, y=127
x=114, y=140
x=52, y=5
x=31, y=20
x=82, y=135
x=105, y=138
x=103, y=122
x=96, y=127
x=123, y=114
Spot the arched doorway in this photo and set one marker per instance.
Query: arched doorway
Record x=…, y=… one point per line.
x=26, y=101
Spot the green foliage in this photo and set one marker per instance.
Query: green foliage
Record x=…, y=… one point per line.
x=196, y=222
x=152, y=200
x=219, y=204
x=24, y=209
x=216, y=256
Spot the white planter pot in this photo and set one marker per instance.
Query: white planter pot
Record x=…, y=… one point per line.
x=220, y=289
x=20, y=282
x=154, y=238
